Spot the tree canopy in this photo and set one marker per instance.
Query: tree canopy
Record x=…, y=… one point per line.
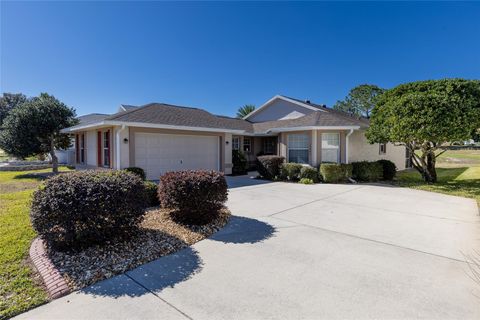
x=360, y=100
x=8, y=102
x=425, y=115
x=246, y=109
x=34, y=127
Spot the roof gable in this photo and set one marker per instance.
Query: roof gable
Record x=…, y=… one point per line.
x=281, y=107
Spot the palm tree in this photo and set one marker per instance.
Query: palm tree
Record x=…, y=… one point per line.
x=246, y=109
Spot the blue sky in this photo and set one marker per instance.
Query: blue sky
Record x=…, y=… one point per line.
x=219, y=56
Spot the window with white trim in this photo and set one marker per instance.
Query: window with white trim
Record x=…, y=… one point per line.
x=382, y=148
x=236, y=143
x=331, y=147
x=298, y=147
x=247, y=144
x=106, y=148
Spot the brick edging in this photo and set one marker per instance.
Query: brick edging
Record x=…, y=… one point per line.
x=53, y=280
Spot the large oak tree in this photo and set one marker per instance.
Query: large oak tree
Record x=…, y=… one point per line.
x=34, y=127
x=424, y=116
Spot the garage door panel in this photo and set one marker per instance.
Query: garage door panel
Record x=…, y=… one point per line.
x=158, y=153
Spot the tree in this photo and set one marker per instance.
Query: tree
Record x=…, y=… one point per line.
x=360, y=100
x=8, y=102
x=246, y=109
x=425, y=115
x=34, y=127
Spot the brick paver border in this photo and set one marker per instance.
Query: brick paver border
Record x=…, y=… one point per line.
x=53, y=280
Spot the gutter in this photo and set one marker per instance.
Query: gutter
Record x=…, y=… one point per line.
x=346, y=144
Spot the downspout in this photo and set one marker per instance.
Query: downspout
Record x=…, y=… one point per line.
x=118, y=145
x=346, y=145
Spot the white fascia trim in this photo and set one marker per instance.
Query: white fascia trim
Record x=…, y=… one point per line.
x=148, y=125
x=314, y=128
x=305, y=105
x=82, y=128
x=167, y=126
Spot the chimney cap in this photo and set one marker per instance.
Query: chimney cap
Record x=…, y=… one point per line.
x=307, y=101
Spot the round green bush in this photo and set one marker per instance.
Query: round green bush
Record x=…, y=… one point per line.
x=306, y=181
x=138, y=171
x=367, y=171
x=269, y=166
x=290, y=171
x=79, y=209
x=240, y=163
x=151, y=192
x=195, y=196
x=311, y=173
x=389, y=169
x=335, y=172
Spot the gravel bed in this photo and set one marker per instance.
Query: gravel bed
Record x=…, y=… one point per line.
x=159, y=235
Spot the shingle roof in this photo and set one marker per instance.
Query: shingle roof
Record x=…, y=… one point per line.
x=167, y=114
x=314, y=119
x=161, y=113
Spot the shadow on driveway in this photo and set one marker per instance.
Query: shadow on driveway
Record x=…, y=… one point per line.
x=180, y=266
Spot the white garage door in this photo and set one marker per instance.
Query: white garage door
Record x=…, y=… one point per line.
x=158, y=153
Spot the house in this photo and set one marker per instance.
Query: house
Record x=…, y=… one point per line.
x=161, y=137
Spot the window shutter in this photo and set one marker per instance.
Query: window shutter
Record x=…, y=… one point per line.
x=77, y=148
x=99, y=148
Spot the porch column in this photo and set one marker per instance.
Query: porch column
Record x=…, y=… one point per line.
x=313, y=148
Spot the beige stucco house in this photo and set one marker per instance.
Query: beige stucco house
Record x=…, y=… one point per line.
x=161, y=137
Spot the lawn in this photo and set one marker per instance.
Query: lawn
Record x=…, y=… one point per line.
x=18, y=290
x=458, y=174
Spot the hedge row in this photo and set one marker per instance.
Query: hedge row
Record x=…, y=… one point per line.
x=273, y=167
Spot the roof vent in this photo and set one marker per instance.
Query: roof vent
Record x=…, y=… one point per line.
x=307, y=101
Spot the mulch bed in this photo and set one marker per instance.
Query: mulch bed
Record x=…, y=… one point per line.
x=158, y=236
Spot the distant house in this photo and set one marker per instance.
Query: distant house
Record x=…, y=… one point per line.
x=161, y=137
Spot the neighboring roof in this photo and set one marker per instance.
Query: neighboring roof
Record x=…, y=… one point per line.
x=89, y=119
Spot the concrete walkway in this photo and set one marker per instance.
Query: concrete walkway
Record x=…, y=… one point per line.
x=294, y=251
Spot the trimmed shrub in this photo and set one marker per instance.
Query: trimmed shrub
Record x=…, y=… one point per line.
x=194, y=196
x=306, y=181
x=239, y=161
x=78, y=209
x=290, y=171
x=138, y=171
x=367, y=171
x=311, y=173
x=151, y=193
x=389, y=169
x=335, y=172
x=269, y=166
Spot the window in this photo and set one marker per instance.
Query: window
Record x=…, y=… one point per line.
x=269, y=146
x=298, y=146
x=247, y=144
x=236, y=143
x=106, y=148
x=82, y=148
x=331, y=147
x=382, y=148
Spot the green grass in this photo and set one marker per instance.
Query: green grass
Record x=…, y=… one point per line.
x=458, y=174
x=18, y=290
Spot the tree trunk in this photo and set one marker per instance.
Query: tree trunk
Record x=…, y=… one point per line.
x=54, y=157
x=430, y=174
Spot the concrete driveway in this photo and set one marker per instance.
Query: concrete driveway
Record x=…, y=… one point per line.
x=317, y=251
